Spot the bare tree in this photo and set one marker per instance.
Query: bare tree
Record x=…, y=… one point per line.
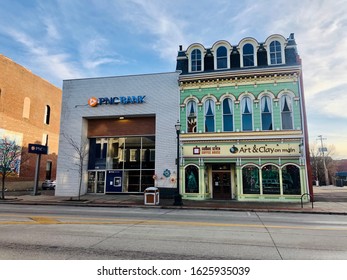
x=10, y=155
x=81, y=152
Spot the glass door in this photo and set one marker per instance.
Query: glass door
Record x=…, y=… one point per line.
x=100, y=183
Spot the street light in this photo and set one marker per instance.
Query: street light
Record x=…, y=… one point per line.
x=178, y=197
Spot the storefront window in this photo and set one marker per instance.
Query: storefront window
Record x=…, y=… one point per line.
x=192, y=179
x=291, y=180
x=250, y=180
x=270, y=179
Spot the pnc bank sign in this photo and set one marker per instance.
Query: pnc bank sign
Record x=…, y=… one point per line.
x=94, y=101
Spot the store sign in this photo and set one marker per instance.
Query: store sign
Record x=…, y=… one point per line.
x=37, y=149
x=94, y=101
x=280, y=149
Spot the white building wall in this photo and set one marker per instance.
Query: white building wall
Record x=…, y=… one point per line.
x=162, y=100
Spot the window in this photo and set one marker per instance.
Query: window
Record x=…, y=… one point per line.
x=266, y=113
x=248, y=55
x=26, y=108
x=191, y=179
x=275, y=53
x=270, y=179
x=291, y=180
x=250, y=180
x=191, y=116
x=228, y=115
x=286, y=112
x=47, y=114
x=209, y=115
x=196, y=60
x=222, y=58
x=246, y=104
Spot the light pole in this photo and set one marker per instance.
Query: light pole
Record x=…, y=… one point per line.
x=178, y=197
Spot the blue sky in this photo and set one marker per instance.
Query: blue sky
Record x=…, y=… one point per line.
x=66, y=39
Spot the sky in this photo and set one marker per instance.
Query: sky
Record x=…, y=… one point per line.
x=68, y=39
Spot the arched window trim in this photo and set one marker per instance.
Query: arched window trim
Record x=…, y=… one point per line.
x=231, y=103
x=255, y=45
x=214, y=49
x=189, y=51
x=250, y=109
x=290, y=98
x=185, y=179
x=283, y=43
x=270, y=107
x=188, y=109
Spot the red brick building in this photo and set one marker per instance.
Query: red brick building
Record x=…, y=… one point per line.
x=30, y=113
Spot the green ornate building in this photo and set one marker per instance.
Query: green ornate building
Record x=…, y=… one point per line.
x=243, y=124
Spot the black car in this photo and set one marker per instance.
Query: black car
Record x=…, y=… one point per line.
x=48, y=185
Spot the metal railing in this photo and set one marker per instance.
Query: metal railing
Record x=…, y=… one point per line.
x=307, y=194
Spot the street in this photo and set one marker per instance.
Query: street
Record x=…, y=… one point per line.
x=84, y=233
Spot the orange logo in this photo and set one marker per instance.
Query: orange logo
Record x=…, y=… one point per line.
x=93, y=101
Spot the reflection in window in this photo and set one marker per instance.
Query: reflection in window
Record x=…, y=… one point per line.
x=222, y=57
x=248, y=55
x=196, y=60
x=275, y=53
x=246, y=104
x=209, y=115
x=191, y=116
x=250, y=180
x=228, y=115
x=266, y=113
x=291, y=180
x=192, y=179
x=270, y=179
x=286, y=112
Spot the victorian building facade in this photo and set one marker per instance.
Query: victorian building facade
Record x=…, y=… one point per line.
x=243, y=124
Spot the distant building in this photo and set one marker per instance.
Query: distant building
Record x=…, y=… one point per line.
x=29, y=113
x=242, y=112
x=341, y=173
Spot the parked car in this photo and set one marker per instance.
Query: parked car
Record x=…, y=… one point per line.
x=48, y=185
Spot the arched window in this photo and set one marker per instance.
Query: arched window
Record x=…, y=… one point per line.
x=250, y=180
x=209, y=115
x=191, y=116
x=222, y=58
x=47, y=114
x=196, y=60
x=248, y=55
x=266, y=113
x=228, y=115
x=191, y=179
x=275, y=52
x=26, y=108
x=270, y=179
x=286, y=112
x=291, y=180
x=246, y=105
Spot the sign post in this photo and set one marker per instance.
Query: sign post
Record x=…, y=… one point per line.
x=39, y=150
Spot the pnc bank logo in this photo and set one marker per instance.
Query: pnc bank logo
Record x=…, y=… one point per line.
x=94, y=101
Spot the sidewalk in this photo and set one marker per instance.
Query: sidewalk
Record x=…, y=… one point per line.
x=328, y=200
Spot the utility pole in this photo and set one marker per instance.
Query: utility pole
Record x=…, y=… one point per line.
x=322, y=150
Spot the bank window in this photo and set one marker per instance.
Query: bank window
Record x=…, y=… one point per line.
x=26, y=108
x=246, y=105
x=248, y=55
x=286, y=112
x=228, y=115
x=196, y=60
x=47, y=114
x=270, y=179
x=266, y=113
x=222, y=58
x=191, y=116
x=275, y=52
x=250, y=180
x=209, y=115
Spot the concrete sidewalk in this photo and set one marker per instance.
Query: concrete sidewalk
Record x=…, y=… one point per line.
x=328, y=200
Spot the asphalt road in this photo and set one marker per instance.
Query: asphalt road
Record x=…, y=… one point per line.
x=83, y=233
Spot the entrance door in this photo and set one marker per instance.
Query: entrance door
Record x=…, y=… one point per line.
x=114, y=181
x=221, y=185
x=100, y=182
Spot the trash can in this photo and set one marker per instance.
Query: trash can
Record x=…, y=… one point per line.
x=151, y=196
